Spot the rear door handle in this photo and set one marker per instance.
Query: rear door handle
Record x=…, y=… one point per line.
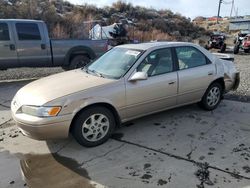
x=43, y=46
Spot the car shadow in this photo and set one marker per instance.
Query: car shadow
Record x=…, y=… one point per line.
x=68, y=160
x=186, y=132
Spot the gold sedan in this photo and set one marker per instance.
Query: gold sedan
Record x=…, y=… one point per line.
x=127, y=82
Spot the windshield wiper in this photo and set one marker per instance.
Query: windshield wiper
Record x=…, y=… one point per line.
x=96, y=73
x=85, y=69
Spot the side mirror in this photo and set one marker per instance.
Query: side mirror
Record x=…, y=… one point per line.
x=138, y=76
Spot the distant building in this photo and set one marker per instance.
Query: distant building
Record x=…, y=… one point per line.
x=239, y=24
x=214, y=18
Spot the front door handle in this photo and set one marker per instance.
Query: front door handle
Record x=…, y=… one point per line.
x=171, y=83
x=210, y=73
x=10, y=46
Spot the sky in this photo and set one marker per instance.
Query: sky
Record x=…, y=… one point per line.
x=188, y=8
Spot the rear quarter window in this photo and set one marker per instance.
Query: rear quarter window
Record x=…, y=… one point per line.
x=28, y=31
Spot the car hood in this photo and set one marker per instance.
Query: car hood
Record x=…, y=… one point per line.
x=52, y=87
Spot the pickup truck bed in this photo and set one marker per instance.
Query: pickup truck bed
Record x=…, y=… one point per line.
x=71, y=48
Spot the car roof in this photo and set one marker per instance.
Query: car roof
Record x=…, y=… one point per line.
x=151, y=45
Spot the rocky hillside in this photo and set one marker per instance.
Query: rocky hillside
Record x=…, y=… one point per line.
x=66, y=20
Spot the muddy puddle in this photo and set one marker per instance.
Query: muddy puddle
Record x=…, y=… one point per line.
x=53, y=170
x=49, y=170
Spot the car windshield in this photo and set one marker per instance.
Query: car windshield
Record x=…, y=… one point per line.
x=115, y=63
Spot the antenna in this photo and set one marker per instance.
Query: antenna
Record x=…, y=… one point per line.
x=220, y=1
x=231, y=12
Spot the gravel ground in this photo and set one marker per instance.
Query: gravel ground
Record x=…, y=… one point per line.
x=26, y=73
x=242, y=62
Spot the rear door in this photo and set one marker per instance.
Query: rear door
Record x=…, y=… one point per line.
x=31, y=44
x=8, y=54
x=195, y=74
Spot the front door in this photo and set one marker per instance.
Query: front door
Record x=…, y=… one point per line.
x=156, y=93
x=31, y=45
x=8, y=54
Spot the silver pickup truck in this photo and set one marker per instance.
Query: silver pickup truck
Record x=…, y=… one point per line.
x=26, y=43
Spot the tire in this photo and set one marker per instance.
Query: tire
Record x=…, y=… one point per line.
x=90, y=134
x=209, y=101
x=223, y=48
x=236, y=49
x=246, y=50
x=77, y=62
x=206, y=47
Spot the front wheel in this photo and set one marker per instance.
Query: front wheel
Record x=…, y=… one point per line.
x=212, y=97
x=246, y=50
x=93, y=126
x=207, y=47
x=236, y=49
x=223, y=48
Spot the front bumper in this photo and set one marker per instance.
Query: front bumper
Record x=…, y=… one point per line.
x=44, y=131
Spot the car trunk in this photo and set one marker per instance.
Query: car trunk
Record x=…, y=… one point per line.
x=228, y=57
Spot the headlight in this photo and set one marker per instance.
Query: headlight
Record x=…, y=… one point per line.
x=40, y=111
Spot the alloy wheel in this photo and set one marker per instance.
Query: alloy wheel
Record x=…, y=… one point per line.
x=95, y=127
x=213, y=96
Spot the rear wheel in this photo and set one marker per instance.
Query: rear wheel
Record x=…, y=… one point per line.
x=77, y=62
x=212, y=97
x=93, y=126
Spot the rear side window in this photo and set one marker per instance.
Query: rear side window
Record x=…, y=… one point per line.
x=4, y=32
x=28, y=31
x=189, y=57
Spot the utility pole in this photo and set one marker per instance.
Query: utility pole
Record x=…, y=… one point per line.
x=232, y=9
x=220, y=1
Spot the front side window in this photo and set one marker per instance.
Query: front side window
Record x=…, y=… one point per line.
x=189, y=57
x=4, y=32
x=115, y=63
x=28, y=31
x=157, y=62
